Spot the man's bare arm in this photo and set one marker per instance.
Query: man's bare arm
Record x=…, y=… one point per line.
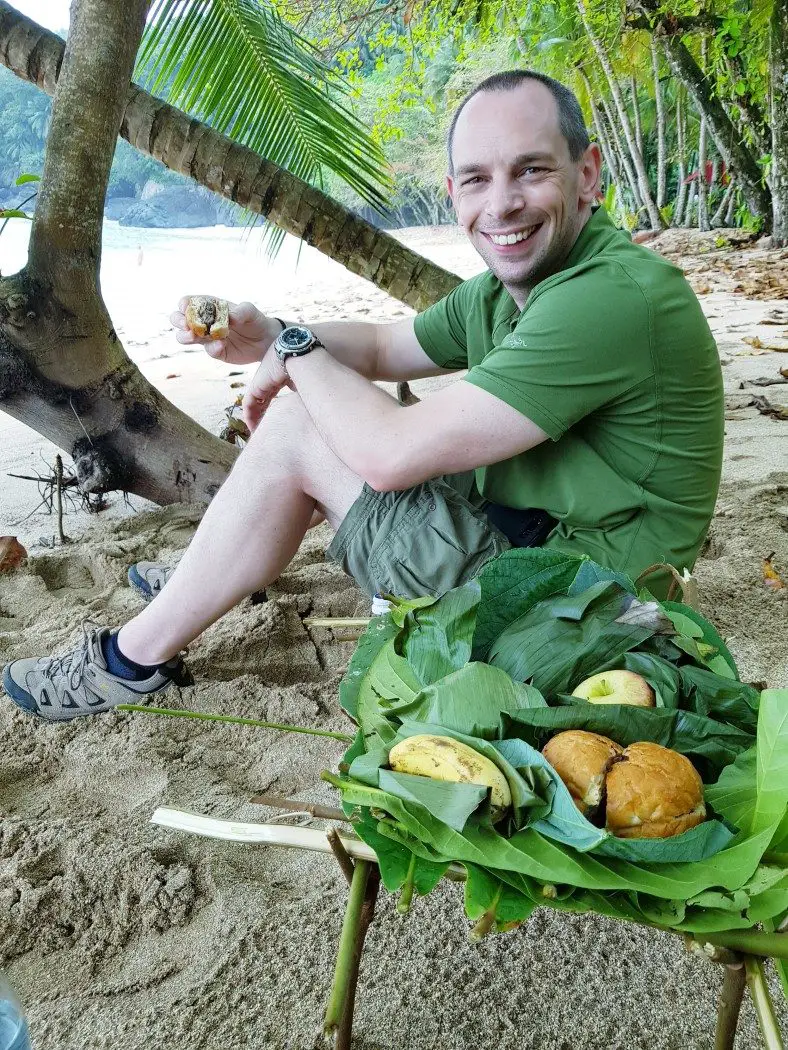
x=388, y=352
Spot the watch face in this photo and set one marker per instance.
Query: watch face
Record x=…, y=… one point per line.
x=294, y=338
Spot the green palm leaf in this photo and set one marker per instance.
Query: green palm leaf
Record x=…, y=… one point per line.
x=236, y=65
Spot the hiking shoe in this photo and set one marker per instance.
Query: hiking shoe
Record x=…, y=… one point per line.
x=59, y=688
x=148, y=578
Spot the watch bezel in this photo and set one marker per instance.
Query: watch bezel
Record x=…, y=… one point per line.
x=285, y=349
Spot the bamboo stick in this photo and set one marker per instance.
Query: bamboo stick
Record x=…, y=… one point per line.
x=170, y=712
x=295, y=806
x=761, y=1000
x=342, y=855
x=343, y=974
x=336, y=621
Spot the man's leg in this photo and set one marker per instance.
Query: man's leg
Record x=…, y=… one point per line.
x=247, y=536
x=249, y=533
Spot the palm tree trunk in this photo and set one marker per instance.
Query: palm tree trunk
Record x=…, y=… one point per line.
x=615, y=90
x=778, y=62
x=604, y=143
x=703, y=186
x=661, y=151
x=237, y=173
x=62, y=368
x=727, y=137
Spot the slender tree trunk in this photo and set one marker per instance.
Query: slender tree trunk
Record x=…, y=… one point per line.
x=633, y=90
x=718, y=218
x=681, y=146
x=778, y=63
x=733, y=149
x=615, y=90
x=62, y=368
x=601, y=133
x=750, y=113
x=624, y=161
x=690, y=205
x=703, y=186
x=730, y=213
x=660, y=108
x=237, y=173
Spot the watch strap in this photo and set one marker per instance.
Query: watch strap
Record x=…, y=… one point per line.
x=281, y=322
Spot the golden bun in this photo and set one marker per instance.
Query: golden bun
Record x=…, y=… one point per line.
x=208, y=316
x=653, y=793
x=581, y=760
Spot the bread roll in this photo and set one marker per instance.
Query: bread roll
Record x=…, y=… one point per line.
x=207, y=316
x=653, y=793
x=581, y=760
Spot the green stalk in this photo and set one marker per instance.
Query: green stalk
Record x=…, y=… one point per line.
x=345, y=956
x=762, y=1002
x=172, y=713
x=748, y=942
x=406, y=896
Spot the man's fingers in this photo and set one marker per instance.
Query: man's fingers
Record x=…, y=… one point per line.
x=178, y=320
x=241, y=313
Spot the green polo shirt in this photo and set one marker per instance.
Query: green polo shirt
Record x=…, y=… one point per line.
x=612, y=357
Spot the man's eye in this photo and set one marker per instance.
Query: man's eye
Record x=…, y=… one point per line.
x=531, y=168
x=471, y=180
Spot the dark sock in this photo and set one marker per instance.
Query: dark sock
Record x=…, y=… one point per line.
x=120, y=665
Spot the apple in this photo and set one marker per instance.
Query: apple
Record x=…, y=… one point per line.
x=616, y=687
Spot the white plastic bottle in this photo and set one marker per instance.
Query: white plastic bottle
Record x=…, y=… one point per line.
x=13, y=1027
x=379, y=605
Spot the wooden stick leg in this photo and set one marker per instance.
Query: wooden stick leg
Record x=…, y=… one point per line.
x=728, y=1007
x=345, y=1032
x=340, y=1004
x=762, y=1001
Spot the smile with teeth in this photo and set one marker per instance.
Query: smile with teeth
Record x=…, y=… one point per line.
x=512, y=238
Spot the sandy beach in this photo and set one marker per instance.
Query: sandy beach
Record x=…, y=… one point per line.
x=119, y=934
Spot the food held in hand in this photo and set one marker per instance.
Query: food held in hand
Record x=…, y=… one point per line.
x=582, y=760
x=442, y=758
x=653, y=793
x=616, y=687
x=206, y=315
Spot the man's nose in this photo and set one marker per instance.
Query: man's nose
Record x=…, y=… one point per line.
x=504, y=197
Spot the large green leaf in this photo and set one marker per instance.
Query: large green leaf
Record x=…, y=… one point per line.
x=512, y=584
x=693, y=625
x=473, y=701
x=720, y=697
x=437, y=639
x=381, y=630
x=562, y=640
x=772, y=760
x=238, y=66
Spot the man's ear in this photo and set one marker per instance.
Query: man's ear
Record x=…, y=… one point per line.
x=590, y=171
x=450, y=188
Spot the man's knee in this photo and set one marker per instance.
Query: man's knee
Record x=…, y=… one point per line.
x=286, y=433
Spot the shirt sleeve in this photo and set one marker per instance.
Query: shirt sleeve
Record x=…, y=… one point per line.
x=441, y=329
x=583, y=344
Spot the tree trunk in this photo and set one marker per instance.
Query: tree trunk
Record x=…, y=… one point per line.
x=633, y=90
x=718, y=218
x=661, y=151
x=778, y=62
x=604, y=142
x=62, y=368
x=681, y=145
x=237, y=173
x=733, y=150
x=703, y=186
x=624, y=162
x=615, y=90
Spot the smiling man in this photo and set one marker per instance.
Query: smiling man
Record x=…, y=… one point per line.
x=589, y=418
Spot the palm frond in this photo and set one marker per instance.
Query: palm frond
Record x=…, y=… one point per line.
x=236, y=65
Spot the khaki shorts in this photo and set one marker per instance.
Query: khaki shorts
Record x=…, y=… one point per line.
x=424, y=540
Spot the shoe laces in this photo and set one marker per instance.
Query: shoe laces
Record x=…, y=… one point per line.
x=73, y=663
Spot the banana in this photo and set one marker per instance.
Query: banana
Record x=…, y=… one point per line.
x=442, y=758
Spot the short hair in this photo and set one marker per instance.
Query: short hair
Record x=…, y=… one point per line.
x=570, y=115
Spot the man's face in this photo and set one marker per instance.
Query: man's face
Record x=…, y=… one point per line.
x=513, y=176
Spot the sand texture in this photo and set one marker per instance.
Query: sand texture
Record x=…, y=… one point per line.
x=119, y=934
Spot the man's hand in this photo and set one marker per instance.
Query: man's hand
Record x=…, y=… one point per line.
x=266, y=383
x=251, y=334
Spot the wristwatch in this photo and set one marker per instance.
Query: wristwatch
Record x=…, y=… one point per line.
x=295, y=341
